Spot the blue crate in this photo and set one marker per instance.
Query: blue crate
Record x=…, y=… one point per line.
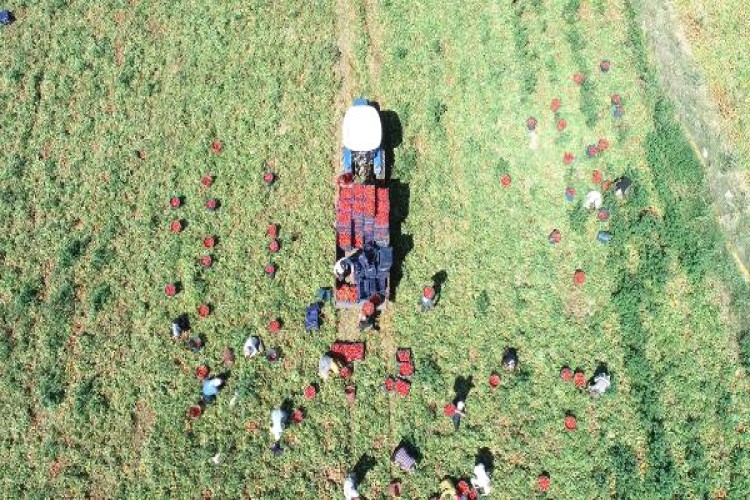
x=6, y=17
x=371, y=272
x=604, y=236
x=364, y=289
x=385, y=258
x=312, y=317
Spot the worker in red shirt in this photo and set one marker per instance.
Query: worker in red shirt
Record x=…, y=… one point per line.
x=367, y=316
x=427, y=302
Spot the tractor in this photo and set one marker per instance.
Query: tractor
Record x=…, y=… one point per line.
x=362, y=133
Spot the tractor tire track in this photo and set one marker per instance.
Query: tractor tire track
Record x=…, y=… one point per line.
x=374, y=32
x=386, y=336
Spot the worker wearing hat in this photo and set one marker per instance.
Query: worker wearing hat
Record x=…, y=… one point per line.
x=427, y=301
x=367, y=316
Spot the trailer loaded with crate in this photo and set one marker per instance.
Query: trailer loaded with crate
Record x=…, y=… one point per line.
x=363, y=235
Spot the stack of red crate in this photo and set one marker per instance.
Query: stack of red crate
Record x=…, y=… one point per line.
x=382, y=217
x=404, y=363
x=344, y=225
x=349, y=351
x=346, y=293
x=401, y=383
x=362, y=216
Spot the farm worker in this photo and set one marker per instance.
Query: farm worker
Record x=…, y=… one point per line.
x=278, y=418
x=328, y=365
x=510, y=360
x=195, y=344
x=324, y=294
x=253, y=346
x=593, y=200
x=350, y=487
x=447, y=490
x=403, y=458
x=176, y=330
x=458, y=414
x=622, y=185
x=394, y=489
x=554, y=236
x=427, y=301
x=211, y=388
x=367, y=316
x=600, y=384
x=366, y=323
x=481, y=481
x=342, y=268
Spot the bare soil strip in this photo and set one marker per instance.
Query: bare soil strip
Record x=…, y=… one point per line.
x=701, y=117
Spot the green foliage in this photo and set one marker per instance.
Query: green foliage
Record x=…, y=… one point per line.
x=526, y=56
x=89, y=399
x=577, y=43
x=51, y=386
x=679, y=176
x=430, y=372
x=100, y=295
x=744, y=343
x=27, y=296
x=482, y=304
x=71, y=252
x=624, y=467
x=436, y=110
x=577, y=216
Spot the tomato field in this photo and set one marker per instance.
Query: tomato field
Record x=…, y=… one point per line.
x=180, y=158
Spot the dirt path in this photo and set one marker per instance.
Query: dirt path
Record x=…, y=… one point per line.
x=346, y=19
x=382, y=343
x=689, y=91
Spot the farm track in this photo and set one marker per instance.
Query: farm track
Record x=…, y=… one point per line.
x=347, y=19
x=701, y=117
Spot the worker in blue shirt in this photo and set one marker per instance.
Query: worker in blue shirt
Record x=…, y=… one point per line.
x=211, y=388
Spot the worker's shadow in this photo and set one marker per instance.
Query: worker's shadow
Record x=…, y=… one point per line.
x=393, y=135
x=485, y=457
x=288, y=406
x=438, y=279
x=402, y=243
x=364, y=465
x=462, y=386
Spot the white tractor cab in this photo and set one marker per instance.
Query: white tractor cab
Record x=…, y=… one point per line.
x=362, y=131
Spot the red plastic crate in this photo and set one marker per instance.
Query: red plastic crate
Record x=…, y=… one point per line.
x=346, y=193
x=369, y=208
x=349, y=351
x=403, y=356
x=403, y=387
x=346, y=293
x=406, y=369
x=344, y=240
